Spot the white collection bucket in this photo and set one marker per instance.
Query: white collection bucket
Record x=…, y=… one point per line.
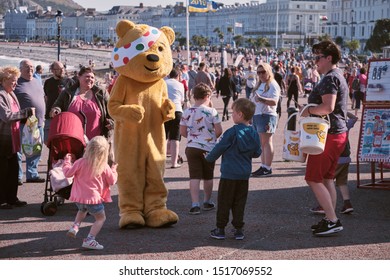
x=314, y=131
x=291, y=144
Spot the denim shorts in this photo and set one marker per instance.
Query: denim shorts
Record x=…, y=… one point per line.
x=265, y=123
x=91, y=208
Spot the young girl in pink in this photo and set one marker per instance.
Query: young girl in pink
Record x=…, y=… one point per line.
x=92, y=178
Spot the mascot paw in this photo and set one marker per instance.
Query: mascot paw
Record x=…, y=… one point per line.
x=168, y=109
x=161, y=218
x=137, y=112
x=131, y=221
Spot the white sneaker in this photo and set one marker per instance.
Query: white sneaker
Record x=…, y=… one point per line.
x=72, y=232
x=92, y=244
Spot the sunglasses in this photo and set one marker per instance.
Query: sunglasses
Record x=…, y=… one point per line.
x=318, y=57
x=261, y=72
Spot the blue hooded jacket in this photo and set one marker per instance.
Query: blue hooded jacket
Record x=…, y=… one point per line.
x=238, y=145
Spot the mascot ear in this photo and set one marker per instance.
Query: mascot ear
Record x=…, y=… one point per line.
x=169, y=33
x=123, y=26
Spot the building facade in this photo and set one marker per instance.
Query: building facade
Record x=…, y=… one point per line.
x=285, y=23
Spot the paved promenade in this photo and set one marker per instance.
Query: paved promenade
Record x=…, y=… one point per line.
x=277, y=222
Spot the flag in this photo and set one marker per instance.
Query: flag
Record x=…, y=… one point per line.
x=203, y=6
x=237, y=24
x=324, y=18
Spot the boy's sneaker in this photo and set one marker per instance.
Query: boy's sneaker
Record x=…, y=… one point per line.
x=218, y=233
x=262, y=172
x=207, y=206
x=92, y=244
x=194, y=210
x=317, y=210
x=72, y=232
x=347, y=208
x=326, y=227
x=238, y=234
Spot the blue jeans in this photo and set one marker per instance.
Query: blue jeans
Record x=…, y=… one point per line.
x=31, y=162
x=248, y=91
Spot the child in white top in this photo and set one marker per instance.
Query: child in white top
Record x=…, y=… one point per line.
x=92, y=178
x=201, y=125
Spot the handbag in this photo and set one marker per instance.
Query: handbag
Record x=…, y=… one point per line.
x=31, y=138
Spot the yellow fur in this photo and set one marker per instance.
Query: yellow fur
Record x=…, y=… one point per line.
x=139, y=105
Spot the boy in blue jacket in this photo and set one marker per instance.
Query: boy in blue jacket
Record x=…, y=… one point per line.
x=238, y=145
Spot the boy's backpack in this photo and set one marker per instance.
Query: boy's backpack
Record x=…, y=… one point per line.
x=356, y=84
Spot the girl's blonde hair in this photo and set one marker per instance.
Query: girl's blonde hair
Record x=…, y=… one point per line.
x=96, y=155
x=268, y=69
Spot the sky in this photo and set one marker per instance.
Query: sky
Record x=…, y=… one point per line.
x=104, y=5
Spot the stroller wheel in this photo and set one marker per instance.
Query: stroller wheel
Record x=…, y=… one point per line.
x=49, y=208
x=59, y=200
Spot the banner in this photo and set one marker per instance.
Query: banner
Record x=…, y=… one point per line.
x=324, y=18
x=237, y=24
x=203, y=6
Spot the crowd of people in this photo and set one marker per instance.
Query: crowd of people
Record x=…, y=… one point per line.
x=319, y=79
x=256, y=93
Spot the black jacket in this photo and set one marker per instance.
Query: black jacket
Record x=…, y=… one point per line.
x=226, y=86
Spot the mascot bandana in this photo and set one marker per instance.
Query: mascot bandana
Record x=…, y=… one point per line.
x=121, y=56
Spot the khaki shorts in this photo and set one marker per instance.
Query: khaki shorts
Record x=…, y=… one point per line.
x=198, y=166
x=341, y=174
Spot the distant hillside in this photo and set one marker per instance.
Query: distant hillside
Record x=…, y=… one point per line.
x=63, y=5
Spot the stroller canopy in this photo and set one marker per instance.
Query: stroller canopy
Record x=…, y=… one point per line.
x=66, y=125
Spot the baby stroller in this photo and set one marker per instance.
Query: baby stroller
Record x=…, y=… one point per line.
x=66, y=135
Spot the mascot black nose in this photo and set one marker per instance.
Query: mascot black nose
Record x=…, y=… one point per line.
x=152, y=57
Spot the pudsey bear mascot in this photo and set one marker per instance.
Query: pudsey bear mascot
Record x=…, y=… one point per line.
x=139, y=105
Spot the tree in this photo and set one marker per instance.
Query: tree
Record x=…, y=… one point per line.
x=199, y=40
x=219, y=33
x=339, y=41
x=182, y=41
x=230, y=32
x=239, y=39
x=325, y=37
x=261, y=42
x=352, y=45
x=250, y=42
x=380, y=36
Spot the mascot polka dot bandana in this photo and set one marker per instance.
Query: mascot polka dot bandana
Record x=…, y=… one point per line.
x=121, y=56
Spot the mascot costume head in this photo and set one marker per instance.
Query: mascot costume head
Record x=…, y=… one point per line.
x=139, y=105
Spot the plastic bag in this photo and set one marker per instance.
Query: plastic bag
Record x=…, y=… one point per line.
x=31, y=138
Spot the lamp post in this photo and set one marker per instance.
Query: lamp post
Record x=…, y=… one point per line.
x=352, y=11
x=59, y=21
x=300, y=29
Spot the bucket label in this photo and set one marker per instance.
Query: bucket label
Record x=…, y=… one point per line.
x=293, y=149
x=316, y=129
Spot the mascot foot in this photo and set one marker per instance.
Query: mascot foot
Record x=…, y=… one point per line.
x=161, y=218
x=131, y=221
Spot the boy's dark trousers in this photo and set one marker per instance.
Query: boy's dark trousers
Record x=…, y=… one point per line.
x=232, y=194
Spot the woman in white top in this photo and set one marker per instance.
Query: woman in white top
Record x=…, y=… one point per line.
x=172, y=127
x=265, y=95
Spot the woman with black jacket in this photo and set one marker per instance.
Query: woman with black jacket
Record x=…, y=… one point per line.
x=87, y=101
x=227, y=88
